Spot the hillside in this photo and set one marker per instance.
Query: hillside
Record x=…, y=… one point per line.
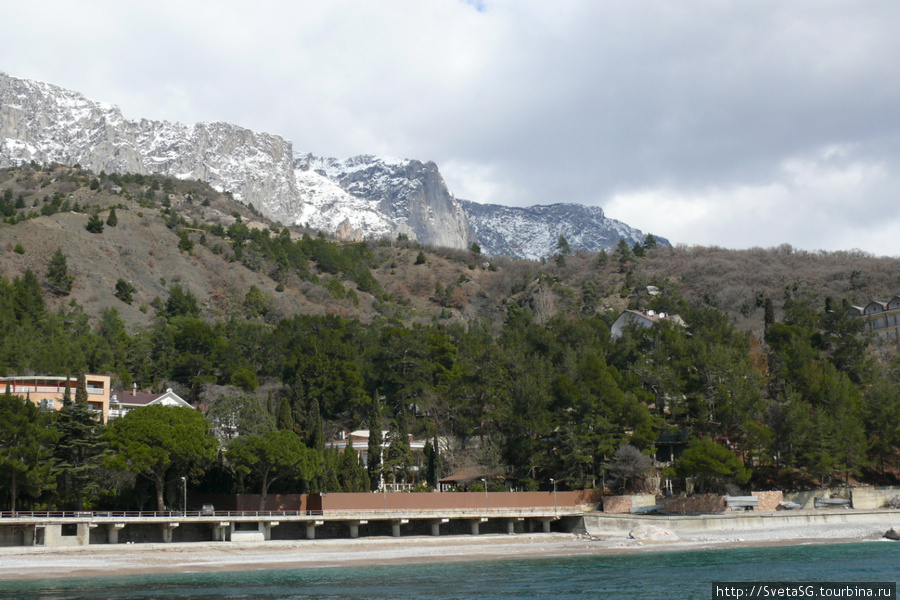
x=509, y=362
x=144, y=250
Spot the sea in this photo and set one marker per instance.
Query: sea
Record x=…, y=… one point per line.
x=664, y=575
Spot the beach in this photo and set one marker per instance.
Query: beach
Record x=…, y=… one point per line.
x=20, y=563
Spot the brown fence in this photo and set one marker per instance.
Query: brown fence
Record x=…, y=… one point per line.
x=432, y=501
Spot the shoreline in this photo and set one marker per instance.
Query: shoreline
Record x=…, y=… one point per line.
x=37, y=563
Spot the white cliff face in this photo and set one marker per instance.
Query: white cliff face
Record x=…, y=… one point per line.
x=407, y=195
x=360, y=197
x=45, y=123
x=534, y=232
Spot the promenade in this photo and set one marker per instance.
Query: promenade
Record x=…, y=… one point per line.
x=56, y=529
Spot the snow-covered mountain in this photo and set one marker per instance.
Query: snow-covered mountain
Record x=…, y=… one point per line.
x=364, y=196
x=534, y=232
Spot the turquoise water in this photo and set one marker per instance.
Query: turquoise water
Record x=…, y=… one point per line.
x=657, y=575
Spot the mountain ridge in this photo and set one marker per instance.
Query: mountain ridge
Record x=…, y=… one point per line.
x=364, y=196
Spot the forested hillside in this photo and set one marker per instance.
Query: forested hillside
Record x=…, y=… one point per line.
x=510, y=364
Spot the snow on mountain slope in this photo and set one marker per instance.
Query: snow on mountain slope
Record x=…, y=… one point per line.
x=363, y=196
x=534, y=232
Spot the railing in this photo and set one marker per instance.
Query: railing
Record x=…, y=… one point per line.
x=142, y=514
x=339, y=514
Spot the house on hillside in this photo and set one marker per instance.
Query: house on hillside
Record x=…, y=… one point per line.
x=643, y=319
x=882, y=319
x=360, y=442
x=47, y=391
x=121, y=403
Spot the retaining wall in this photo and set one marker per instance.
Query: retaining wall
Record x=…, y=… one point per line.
x=624, y=504
x=602, y=524
x=865, y=498
x=695, y=505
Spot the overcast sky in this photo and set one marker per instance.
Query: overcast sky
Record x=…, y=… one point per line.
x=736, y=124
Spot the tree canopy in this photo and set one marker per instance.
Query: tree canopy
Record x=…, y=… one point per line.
x=157, y=439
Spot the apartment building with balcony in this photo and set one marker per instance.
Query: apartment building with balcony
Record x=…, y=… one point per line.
x=882, y=319
x=47, y=391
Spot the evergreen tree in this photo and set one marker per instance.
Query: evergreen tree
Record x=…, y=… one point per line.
x=94, y=224
x=398, y=457
x=124, y=291
x=112, y=220
x=352, y=475
x=26, y=441
x=374, y=463
x=432, y=463
x=81, y=395
x=28, y=302
x=79, y=452
x=768, y=312
x=58, y=274
x=285, y=419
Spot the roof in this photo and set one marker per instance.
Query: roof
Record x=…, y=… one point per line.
x=133, y=399
x=469, y=474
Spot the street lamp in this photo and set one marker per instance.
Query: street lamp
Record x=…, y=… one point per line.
x=484, y=481
x=555, y=509
x=184, y=485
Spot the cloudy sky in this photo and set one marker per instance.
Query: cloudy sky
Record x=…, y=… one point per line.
x=708, y=122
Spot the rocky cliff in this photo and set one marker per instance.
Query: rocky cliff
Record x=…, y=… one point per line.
x=363, y=196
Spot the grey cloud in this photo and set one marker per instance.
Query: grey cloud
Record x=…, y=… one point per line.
x=526, y=101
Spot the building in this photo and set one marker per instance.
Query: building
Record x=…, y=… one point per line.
x=360, y=441
x=121, y=403
x=47, y=391
x=643, y=319
x=882, y=319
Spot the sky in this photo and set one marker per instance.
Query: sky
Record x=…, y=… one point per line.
x=707, y=122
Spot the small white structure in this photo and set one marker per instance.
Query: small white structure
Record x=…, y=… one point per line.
x=643, y=319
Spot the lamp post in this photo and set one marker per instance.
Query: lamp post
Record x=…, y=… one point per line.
x=484, y=482
x=555, y=509
x=184, y=485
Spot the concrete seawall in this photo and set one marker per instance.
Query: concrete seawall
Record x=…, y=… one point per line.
x=600, y=524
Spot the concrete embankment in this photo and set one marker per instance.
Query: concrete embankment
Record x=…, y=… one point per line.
x=603, y=525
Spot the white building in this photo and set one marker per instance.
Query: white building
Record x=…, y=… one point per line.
x=643, y=319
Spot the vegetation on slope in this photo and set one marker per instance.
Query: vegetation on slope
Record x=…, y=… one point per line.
x=510, y=364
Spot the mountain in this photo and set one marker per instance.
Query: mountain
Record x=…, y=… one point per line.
x=534, y=232
x=363, y=196
x=376, y=196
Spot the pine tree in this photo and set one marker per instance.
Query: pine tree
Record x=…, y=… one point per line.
x=28, y=302
x=58, y=274
x=112, y=220
x=94, y=224
x=124, y=291
x=79, y=451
